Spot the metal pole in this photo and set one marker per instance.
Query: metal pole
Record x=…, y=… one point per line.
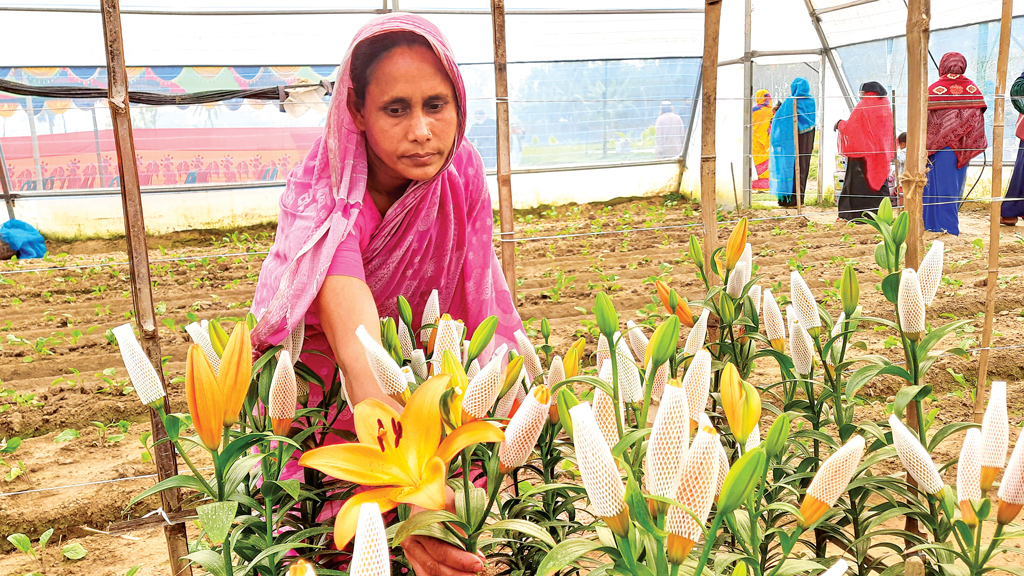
x=35, y=142
x=994, y=208
x=96, y=139
x=797, y=177
x=748, y=115
x=709, y=80
x=505, y=213
x=821, y=127
x=836, y=71
x=142, y=293
x=5, y=185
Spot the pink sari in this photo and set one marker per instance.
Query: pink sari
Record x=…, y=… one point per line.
x=438, y=235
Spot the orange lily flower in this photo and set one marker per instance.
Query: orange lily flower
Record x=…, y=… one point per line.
x=403, y=455
x=235, y=372
x=737, y=242
x=205, y=401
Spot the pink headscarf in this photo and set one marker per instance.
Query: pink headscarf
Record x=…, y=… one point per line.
x=438, y=235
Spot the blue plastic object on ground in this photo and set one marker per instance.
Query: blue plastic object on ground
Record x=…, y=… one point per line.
x=23, y=238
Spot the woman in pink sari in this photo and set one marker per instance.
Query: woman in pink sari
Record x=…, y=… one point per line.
x=390, y=201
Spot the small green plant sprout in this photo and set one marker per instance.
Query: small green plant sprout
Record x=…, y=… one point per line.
x=8, y=447
x=102, y=430
x=65, y=436
x=147, y=454
x=24, y=544
x=74, y=551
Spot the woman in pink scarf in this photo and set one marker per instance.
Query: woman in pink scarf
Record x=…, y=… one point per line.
x=390, y=201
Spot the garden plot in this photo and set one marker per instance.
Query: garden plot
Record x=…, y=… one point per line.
x=60, y=373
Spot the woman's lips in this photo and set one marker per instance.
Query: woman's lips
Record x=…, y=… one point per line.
x=424, y=159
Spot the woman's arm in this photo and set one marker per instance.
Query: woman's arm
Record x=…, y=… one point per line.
x=345, y=303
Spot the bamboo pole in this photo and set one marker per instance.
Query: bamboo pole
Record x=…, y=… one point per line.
x=994, y=208
x=821, y=127
x=138, y=256
x=748, y=114
x=796, y=165
x=709, y=82
x=5, y=186
x=505, y=215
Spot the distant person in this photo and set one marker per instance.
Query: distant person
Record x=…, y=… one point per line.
x=866, y=139
x=761, y=129
x=786, y=145
x=895, y=186
x=956, y=133
x=516, y=133
x=1013, y=203
x=669, y=133
x=484, y=135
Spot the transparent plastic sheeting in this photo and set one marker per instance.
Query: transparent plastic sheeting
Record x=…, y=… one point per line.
x=562, y=114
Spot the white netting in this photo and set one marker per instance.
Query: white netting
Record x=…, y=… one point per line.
x=296, y=339
x=660, y=379
x=929, y=273
x=556, y=373
x=995, y=428
x=431, y=314
x=723, y=466
x=389, y=375
x=524, y=429
x=747, y=257
x=914, y=457
x=697, y=486
x=968, y=468
x=531, y=362
x=755, y=295
x=837, y=569
x=910, y=303
x=201, y=336
x=474, y=368
x=410, y=376
x=631, y=387
x=603, y=352
x=666, y=449
x=836, y=472
x=144, y=377
x=404, y=339
x=283, y=389
x=449, y=339
x=419, y=363
x=837, y=328
x=1011, y=489
x=697, y=383
x=597, y=467
x=484, y=388
x=803, y=302
x=520, y=388
x=604, y=415
x=754, y=440
x=505, y=403
x=695, y=339
x=302, y=388
x=370, y=553
x=637, y=340
x=774, y=326
x=738, y=279
x=465, y=346
x=801, y=347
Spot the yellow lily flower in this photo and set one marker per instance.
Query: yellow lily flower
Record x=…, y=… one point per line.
x=741, y=403
x=451, y=412
x=403, y=455
x=737, y=242
x=235, y=372
x=205, y=398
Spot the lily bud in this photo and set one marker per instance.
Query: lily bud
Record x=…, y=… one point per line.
x=755, y=296
x=636, y=339
x=968, y=475
x=524, y=429
x=696, y=491
x=995, y=435
x=804, y=304
x=600, y=474
x=929, y=273
x=513, y=374
x=1011, y=489
x=283, y=395
x=837, y=328
x=849, y=290
x=530, y=359
x=474, y=368
x=201, y=337
x=301, y=567
x=419, y=364
x=143, y=376
x=603, y=351
x=604, y=415
x=482, y=391
x=697, y=253
x=666, y=449
x=741, y=403
x=371, y=555
x=915, y=458
x=631, y=389
x=448, y=339
x=571, y=364
x=800, y=344
x=205, y=399
x=695, y=339
x=235, y=372
x=405, y=340
x=737, y=280
x=389, y=376
x=737, y=242
x=774, y=326
x=697, y=383
x=431, y=313
x=663, y=294
x=581, y=346
x=504, y=407
x=218, y=337
x=556, y=373
x=911, y=305
x=605, y=314
x=831, y=481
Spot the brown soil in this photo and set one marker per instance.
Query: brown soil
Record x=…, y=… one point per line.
x=52, y=378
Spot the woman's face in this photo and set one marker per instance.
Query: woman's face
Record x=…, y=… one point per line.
x=410, y=115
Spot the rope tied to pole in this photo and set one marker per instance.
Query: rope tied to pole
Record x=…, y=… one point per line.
x=914, y=181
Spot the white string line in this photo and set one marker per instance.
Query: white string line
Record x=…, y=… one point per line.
x=35, y=490
x=108, y=264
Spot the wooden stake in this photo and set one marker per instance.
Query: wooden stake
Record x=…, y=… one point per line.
x=709, y=81
x=142, y=293
x=796, y=165
x=994, y=208
x=505, y=215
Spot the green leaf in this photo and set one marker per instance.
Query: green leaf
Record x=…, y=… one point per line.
x=69, y=434
x=211, y=561
x=21, y=542
x=631, y=437
x=74, y=551
x=523, y=527
x=793, y=567
x=891, y=287
x=885, y=211
x=239, y=470
x=216, y=519
x=421, y=520
x=566, y=400
x=11, y=445
x=131, y=571
x=565, y=554
x=900, y=227
x=179, y=481
x=905, y=396
x=44, y=538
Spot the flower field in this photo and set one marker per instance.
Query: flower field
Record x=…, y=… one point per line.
x=83, y=453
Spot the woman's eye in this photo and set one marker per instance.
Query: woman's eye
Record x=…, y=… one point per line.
x=393, y=110
x=435, y=106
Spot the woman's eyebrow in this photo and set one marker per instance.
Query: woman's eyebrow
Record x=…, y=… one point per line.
x=437, y=97
x=396, y=101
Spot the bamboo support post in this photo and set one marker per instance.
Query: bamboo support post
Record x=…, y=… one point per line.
x=796, y=165
x=505, y=215
x=821, y=128
x=142, y=293
x=994, y=208
x=709, y=82
x=5, y=186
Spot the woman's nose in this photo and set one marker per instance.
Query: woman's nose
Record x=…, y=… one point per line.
x=419, y=129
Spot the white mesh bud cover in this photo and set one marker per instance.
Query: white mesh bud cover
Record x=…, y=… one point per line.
x=929, y=273
x=201, y=336
x=631, y=388
x=389, y=376
x=296, y=339
x=754, y=440
x=699, y=332
x=622, y=347
x=837, y=569
x=448, y=339
x=747, y=257
x=522, y=432
x=660, y=380
x=483, y=389
x=837, y=328
x=405, y=340
x=556, y=373
x=697, y=383
x=803, y=301
x=910, y=303
x=968, y=468
x=914, y=457
x=723, y=467
x=465, y=349
x=370, y=553
x=1011, y=489
x=801, y=346
x=755, y=295
x=774, y=326
x=410, y=376
x=597, y=466
x=530, y=359
x=666, y=449
x=301, y=388
x=474, y=368
x=505, y=402
x=520, y=388
x=283, y=389
x=431, y=313
x=419, y=363
x=697, y=486
x=738, y=279
x=604, y=415
x=605, y=373
x=836, y=472
x=995, y=428
x=637, y=339
x=603, y=352
x=144, y=377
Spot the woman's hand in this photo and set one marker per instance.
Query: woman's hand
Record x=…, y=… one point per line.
x=432, y=557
